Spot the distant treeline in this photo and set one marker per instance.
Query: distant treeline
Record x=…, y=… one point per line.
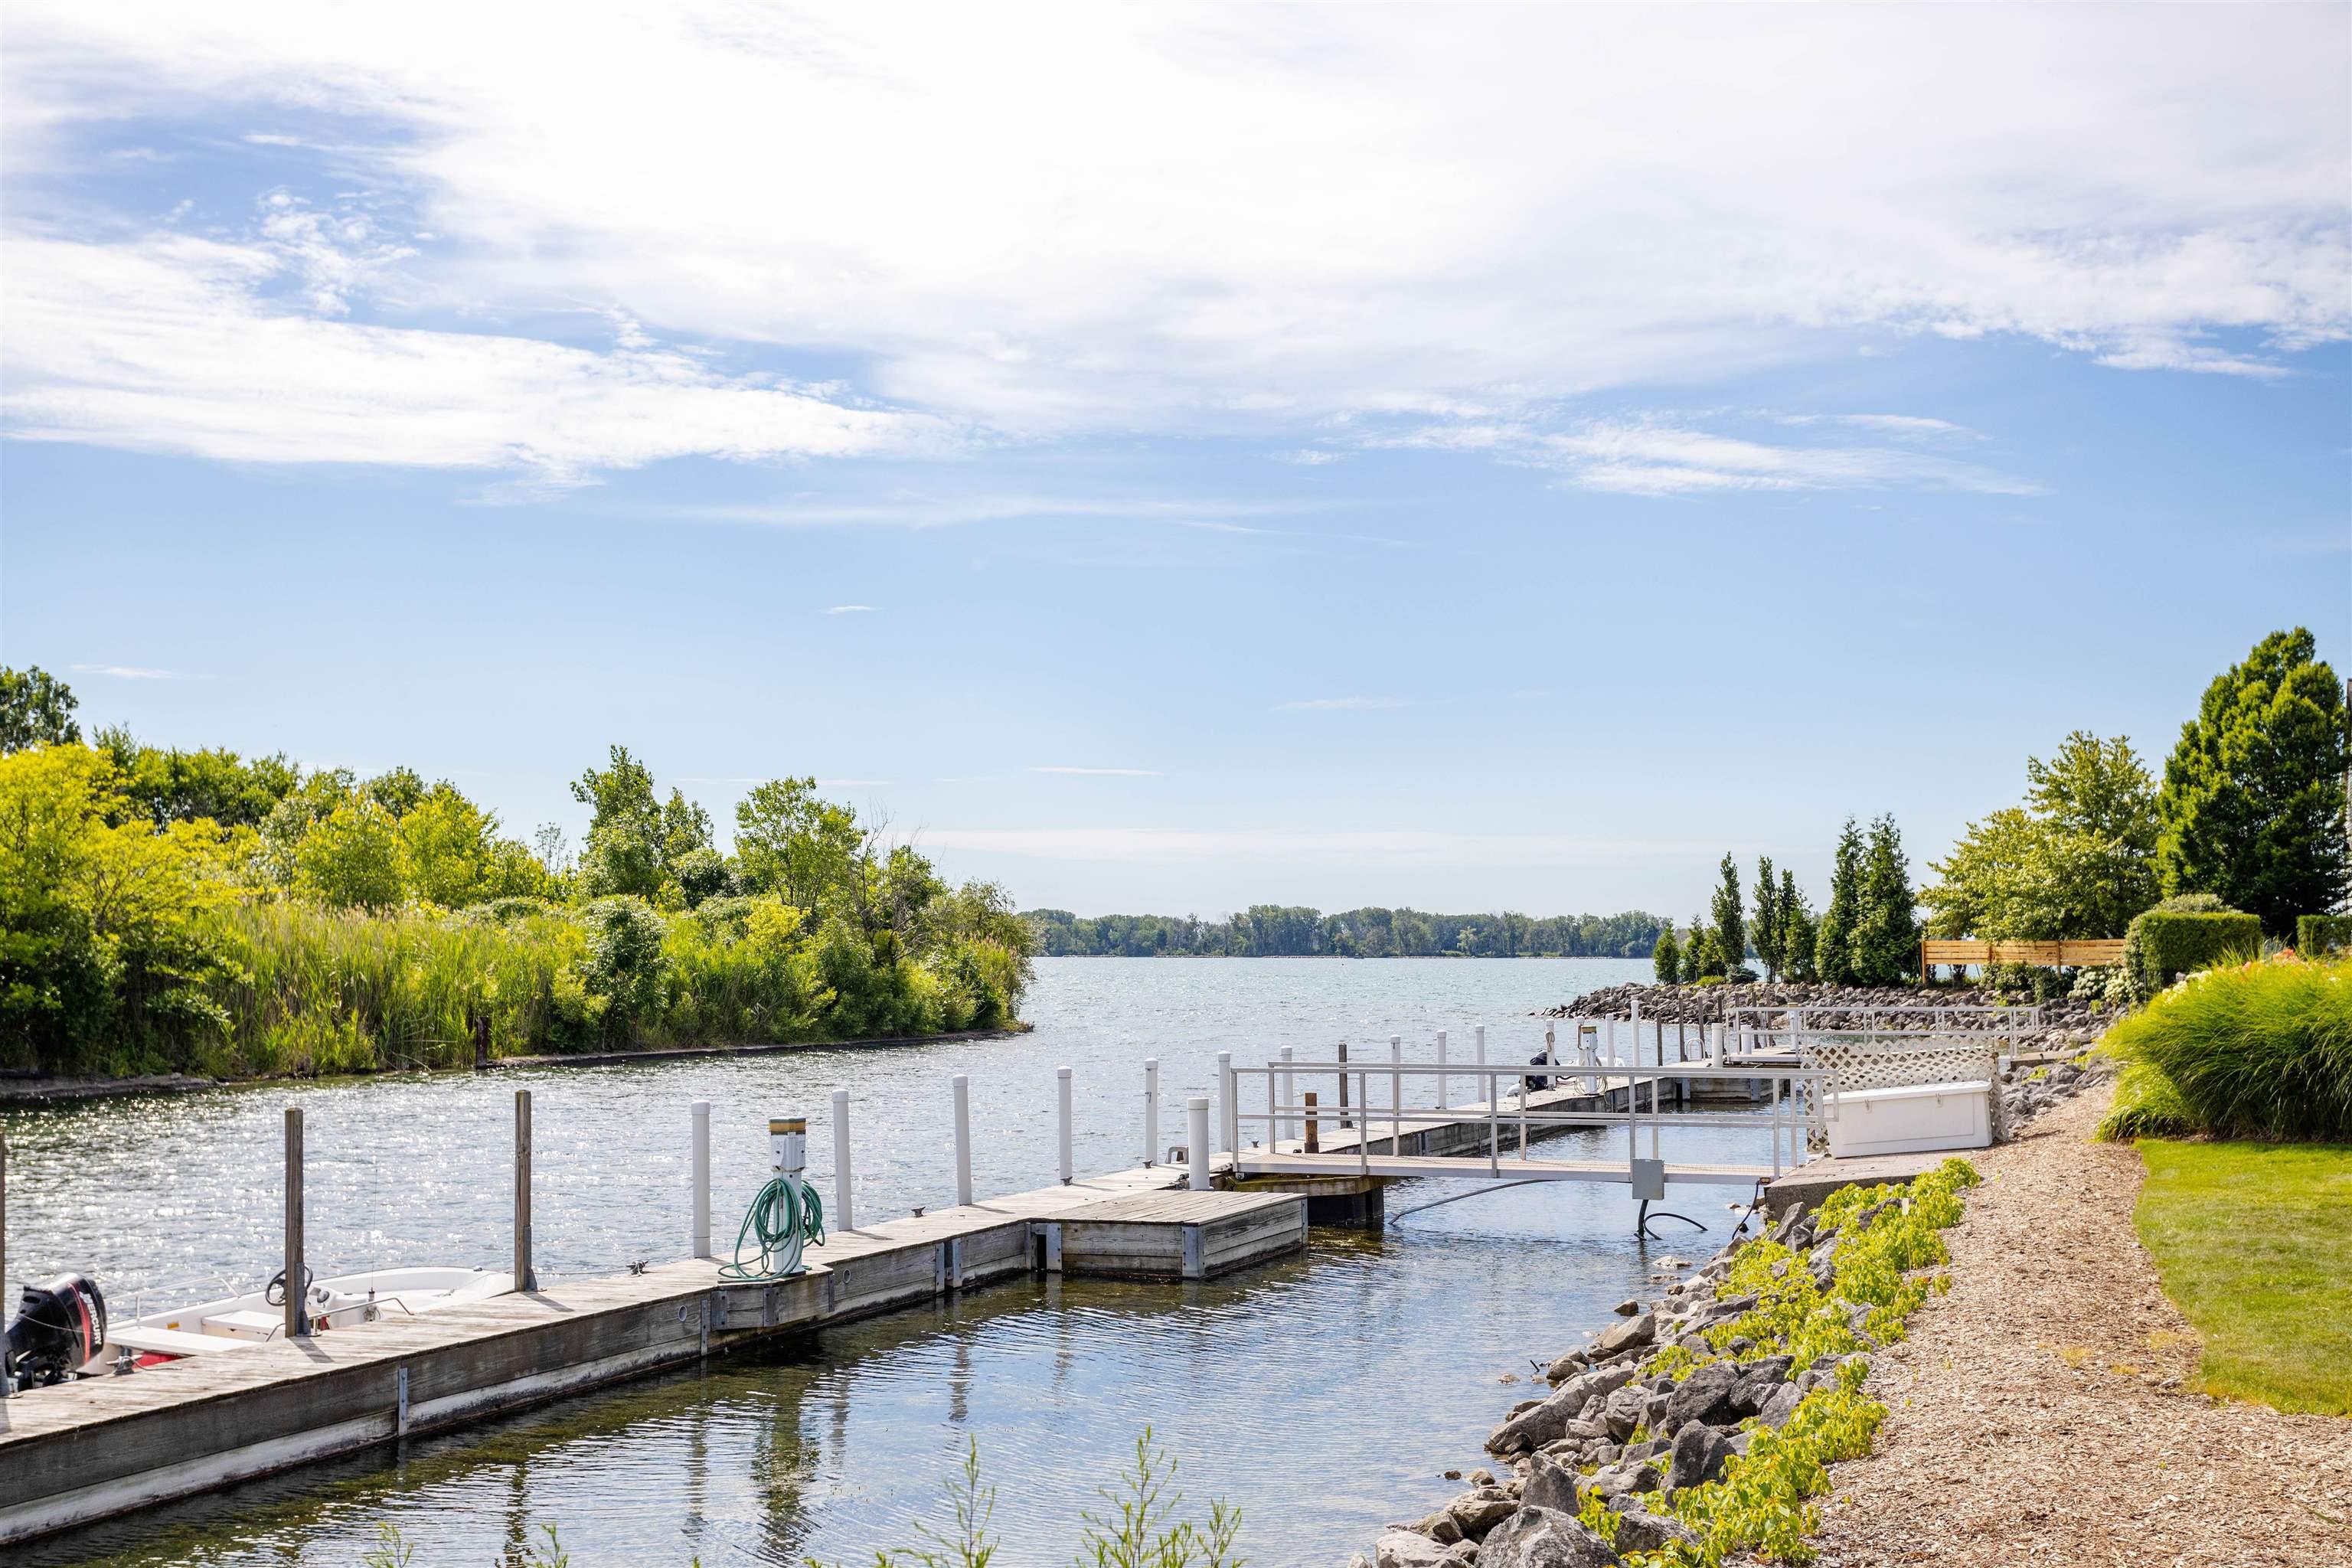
x=1272, y=931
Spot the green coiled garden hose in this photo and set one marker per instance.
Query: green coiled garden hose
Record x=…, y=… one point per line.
x=785, y=1217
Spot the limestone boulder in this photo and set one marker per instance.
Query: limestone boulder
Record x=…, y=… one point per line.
x=1544, y=1538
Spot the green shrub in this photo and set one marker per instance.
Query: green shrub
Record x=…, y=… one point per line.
x=2162, y=945
x=2259, y=1050
x=2315, y=934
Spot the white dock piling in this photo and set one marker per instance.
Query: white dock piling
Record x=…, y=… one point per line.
x=1150, y=1111
x=962, y=1086
x=1440, y=1076
x=842, y=1218
x=698, y=1161
x=1226, y=1119
x=1396, y=1095
x=1286, y=1128
x=1062, y=1106
x=1196, y=1139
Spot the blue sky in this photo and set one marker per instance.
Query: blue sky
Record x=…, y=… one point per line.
x=1470, y=460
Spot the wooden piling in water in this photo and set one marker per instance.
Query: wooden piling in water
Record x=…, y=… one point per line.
x=525, y=1279
x=1314, y=1126
x=297, y=1296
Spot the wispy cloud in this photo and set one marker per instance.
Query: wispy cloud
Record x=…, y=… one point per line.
x=947, y=511
x=849, y=609
x=1887, y=424
x=1642, y=457
x=1106, y=772
x=1340, y=704
x=131, y=672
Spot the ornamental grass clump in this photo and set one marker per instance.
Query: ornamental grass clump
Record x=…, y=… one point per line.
x=1884, y=1237
x=2259, y=1050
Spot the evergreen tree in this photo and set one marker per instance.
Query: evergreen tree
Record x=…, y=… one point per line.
x=2253, y=801
x=1767, y=931
x=1730, y=926
x=1706, y=955
x=1886, y=928
x=1833, y=938
x=1796, y=933
x=1666, y=957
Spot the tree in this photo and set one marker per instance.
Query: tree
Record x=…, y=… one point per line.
x=450, y=846
x=214, y=784
x=1796, y=950
x=1833, y=937
x=353, y=859
x=2077, y=859
x=1703, y=954
x=1767, y=929
x=1730, y=927
x=797, y=845
x=1885, y=929
x=35, y=710
x=2252, y=802
x=1666, y=958
x=624, y=853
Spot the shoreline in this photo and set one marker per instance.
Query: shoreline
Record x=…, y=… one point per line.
x=1622, y=1428
x=61, y=1088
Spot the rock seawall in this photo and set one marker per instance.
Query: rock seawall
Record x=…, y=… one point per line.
x=1621, y=1430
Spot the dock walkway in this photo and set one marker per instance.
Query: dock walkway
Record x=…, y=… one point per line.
x=99, y=1446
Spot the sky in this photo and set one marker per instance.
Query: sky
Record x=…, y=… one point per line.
x=1172, y=459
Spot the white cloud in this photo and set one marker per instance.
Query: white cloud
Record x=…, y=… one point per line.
x=849, y=610
x=168, y=345
x=1114, y=218
x=130, y=673
x=1339, y=704
x=1642, y=459
x=1106, y=772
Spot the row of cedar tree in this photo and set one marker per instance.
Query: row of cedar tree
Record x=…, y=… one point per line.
x=173, y=910
x=2249, y=816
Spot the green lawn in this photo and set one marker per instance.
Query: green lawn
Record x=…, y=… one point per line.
x=2255, y=1242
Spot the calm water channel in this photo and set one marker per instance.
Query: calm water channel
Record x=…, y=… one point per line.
x=1322, y=1395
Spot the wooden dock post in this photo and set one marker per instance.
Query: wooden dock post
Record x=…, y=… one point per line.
x=297, y=1322
x=525, y=1277
x=480, y=1024
x=1314, y=1126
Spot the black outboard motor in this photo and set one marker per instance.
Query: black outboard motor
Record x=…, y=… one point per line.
x=1535, y=1081
x=59, y=1327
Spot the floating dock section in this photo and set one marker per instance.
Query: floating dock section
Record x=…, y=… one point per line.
x=87, y=1450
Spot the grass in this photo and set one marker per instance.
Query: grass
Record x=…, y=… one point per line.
x=2258, y=1050
x=2254, y=1242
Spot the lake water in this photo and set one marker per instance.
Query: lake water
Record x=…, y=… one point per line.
x=1322, y=1395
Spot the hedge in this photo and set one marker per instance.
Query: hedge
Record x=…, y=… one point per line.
x=2162, y=943
x=2315, y=934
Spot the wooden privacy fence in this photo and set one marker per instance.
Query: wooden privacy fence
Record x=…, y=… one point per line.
x=2080, y=952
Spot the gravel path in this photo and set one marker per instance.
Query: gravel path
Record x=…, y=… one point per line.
x=2039, y=1413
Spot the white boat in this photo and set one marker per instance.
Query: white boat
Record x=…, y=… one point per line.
x=339, y=1304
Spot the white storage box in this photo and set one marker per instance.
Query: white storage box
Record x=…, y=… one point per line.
x=1912, y=1120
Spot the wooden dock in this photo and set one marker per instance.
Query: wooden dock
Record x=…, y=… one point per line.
x=99, y=1446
